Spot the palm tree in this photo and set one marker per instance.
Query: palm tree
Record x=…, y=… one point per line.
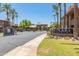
x=54, y=25
x=13, y=15
x=55, y=10
x=54, y=15
x=75, y=31
x=65, y=15
x=6, y=8
x=60, y=13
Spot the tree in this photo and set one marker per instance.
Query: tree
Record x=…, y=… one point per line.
x=60, y=12
x=13, y=14
x=65, y=20
x=55, y=25
x=6, y=8
x=25, y=23
x=54, y=15
x=29, y=22
x=55, y=10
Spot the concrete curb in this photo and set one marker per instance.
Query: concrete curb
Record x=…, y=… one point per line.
x=1, y=34
x=28, y=49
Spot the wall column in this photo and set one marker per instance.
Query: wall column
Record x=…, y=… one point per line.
x=75, y=30
x=66, y=22
x=69, y=21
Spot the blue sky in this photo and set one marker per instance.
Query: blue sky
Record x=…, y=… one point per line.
x=35, y=12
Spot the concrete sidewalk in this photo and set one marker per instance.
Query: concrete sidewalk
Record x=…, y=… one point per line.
x=28, y=49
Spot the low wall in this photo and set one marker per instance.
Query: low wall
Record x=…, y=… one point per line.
x=63, y=35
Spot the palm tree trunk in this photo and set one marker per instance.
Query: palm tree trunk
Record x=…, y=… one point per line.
x=75, y=32
x=65, y=22
x=54, y=17
x=57, y=20
x=8, y=17
x=60, y=13
x=12, y=20
x=57, y=16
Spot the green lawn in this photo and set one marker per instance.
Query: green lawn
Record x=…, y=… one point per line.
x=53, y=47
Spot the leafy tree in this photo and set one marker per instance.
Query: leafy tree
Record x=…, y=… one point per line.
x=25, y=23
x=29, y=22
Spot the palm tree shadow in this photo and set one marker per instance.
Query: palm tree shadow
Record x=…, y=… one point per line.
x=77, y=49
x=70, y=43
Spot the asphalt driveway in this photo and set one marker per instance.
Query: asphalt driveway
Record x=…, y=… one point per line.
x=8, y=43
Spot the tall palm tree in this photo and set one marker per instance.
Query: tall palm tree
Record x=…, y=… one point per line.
x=6, y=8
x=60, y=12
x=75, y=20
x=13, y=14
x=54, y=15
x=55, y=10
x=65, y=15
